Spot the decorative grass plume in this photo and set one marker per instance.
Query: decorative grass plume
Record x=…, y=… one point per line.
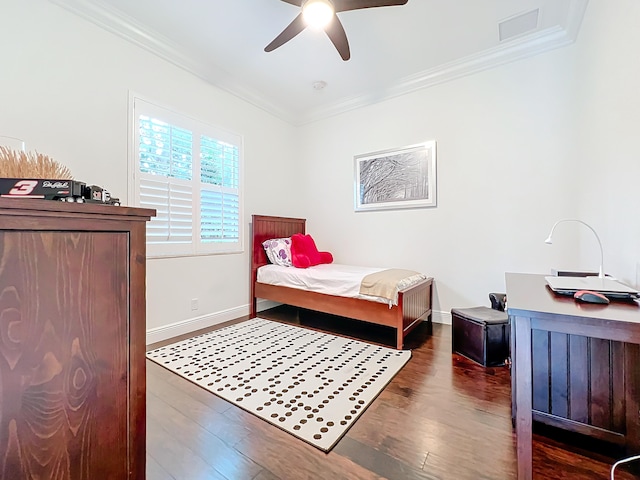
x=19, y=164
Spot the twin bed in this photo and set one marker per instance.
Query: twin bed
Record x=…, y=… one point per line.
x=413, y=302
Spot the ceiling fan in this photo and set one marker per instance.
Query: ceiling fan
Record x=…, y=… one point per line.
x=325, y=12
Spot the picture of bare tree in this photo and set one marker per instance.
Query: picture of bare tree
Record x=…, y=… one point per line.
x=403, y=178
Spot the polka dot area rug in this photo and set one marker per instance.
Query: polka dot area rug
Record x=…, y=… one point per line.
x=311, y=384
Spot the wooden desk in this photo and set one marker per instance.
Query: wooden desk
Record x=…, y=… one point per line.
x=575, y=366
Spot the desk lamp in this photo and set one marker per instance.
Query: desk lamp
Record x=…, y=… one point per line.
x=549, y=240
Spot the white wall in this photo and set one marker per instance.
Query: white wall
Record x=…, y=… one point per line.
x=64, y=87
x=519, y=147
x=504, y=140
x=609, y=118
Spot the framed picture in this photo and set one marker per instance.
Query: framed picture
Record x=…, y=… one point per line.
x=393, y=179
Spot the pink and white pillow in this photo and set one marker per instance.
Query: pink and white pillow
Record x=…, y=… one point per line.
x=278, y=251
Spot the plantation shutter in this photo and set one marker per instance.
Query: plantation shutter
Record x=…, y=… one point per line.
x=219, y=214
x=219, y=217
x=189, y=173
x=174, y=205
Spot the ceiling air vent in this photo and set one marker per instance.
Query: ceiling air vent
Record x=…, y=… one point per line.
x=514, y=26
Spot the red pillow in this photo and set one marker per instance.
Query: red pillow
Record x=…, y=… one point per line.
x=304, y=252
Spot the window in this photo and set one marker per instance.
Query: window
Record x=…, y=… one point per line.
x=190, y=173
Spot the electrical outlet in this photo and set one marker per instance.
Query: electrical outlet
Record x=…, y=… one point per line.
x=194, y=304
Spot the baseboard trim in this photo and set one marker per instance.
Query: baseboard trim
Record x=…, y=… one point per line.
x=438, y=316
x=189, y=325
x=266, y=305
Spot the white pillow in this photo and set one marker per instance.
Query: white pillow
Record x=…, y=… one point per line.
x=278, y=251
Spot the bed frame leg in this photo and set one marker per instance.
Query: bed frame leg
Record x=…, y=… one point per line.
x=253, y=308
x=400, y=339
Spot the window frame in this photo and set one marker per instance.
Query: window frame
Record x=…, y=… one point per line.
x=138, y=105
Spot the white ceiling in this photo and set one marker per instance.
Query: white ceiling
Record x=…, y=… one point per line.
x=394, y=50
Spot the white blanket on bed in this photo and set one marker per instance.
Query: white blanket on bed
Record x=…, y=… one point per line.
x=331, y=279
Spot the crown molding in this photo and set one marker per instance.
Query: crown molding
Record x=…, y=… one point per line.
x=512, y=50
x=112, y=20
x=518, y=49
x=577, y=8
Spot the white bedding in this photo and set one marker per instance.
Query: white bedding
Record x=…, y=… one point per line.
x=331, y=279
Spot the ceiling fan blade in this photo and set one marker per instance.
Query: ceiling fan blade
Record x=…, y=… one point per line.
x=348, y=5
x=293, y=29
x=338, y=37
x=297, y=3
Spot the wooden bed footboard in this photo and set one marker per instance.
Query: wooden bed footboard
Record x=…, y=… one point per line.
x=414, y=303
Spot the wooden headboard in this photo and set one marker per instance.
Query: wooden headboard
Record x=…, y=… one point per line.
x=263, y=228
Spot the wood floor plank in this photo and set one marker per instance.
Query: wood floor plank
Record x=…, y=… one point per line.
x=194, y=391
x=302, y=462
x=176, y=458
x=549, y=458
x=443, y=416
x=179, y=396
x=461, y=467
x=266, y=475
x=384, y=465
x=155, y=471
x=267, y=443
x=409, y=437
x=217, y=453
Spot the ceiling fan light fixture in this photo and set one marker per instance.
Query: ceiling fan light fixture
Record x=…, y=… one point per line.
x=317, y=13
x=321, y=14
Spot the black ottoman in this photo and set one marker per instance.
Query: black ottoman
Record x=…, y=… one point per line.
x=481, y=334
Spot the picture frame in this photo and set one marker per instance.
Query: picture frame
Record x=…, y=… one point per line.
x=397, y=178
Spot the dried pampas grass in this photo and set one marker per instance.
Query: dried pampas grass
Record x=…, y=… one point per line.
x=19, y=164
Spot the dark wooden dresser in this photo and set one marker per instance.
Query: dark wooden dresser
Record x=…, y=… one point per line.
x=72, y=340
x=576, y=366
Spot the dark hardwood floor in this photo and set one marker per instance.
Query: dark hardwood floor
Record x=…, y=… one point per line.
x=441, y=417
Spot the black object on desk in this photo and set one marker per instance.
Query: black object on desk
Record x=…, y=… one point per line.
x=589, y=296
